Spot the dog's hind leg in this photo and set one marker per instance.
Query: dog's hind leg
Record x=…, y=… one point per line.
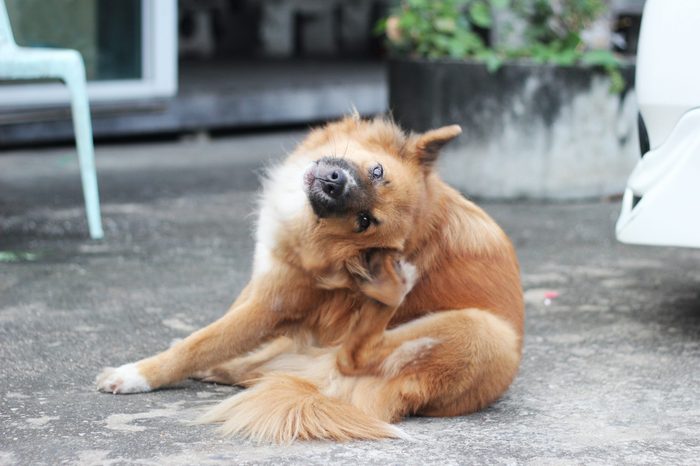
x=388, y=281
x=443, y=364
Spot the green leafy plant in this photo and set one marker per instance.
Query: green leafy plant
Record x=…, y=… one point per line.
x=437, y=29
x=552, y=32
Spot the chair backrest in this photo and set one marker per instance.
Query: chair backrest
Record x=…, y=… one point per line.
x=6, y=37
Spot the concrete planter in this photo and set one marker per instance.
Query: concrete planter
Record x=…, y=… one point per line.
x=530, y=131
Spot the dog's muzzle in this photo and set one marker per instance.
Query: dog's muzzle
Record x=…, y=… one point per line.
x=329, y=184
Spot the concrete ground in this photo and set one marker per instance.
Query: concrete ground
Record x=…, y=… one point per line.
x=611, y=369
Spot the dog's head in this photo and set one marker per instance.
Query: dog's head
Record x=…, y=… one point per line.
x=367, y=183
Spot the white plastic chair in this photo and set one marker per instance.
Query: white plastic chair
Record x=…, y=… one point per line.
x=34, y=63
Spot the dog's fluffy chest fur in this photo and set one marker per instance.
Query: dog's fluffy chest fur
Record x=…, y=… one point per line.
x=282, y=201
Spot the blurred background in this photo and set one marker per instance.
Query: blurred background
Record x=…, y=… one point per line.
x=167, y=66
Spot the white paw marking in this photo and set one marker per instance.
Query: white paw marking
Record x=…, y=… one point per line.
x=122, y=379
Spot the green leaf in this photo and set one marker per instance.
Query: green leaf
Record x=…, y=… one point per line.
x=617, y=81
x=417, y=3
x=442, y=42
x=571, y=41
x=565, y=58
x=500, y=4
x=408, y=20
x=457, y=49
x=540, y=54
x=480, y=14
x=604, y=58
x=472, y=41
x=445, y=24
x=380, y=27
x=492, y=61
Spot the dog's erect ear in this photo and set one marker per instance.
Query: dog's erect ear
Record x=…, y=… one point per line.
x=428, y=144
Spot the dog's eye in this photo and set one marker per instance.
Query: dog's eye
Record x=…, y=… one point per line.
x=378, y=171
x=364, y=220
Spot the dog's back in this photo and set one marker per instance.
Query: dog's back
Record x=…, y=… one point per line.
x=467, y=262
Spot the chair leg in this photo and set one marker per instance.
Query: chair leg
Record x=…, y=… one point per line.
x=84, y=142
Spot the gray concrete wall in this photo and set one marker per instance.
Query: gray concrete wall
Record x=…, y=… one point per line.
x=588, y=151
x=538, y=132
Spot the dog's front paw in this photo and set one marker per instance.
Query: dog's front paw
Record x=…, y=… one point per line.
x=391, y=278
x=122, y=379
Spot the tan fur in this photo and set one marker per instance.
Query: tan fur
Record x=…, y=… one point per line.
x=283, y=408
x=408, y=352
x=331, y=335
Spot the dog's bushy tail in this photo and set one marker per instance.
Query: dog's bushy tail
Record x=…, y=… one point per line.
x=282, y=408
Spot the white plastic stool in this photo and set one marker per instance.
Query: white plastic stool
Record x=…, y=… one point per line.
x=33, y=63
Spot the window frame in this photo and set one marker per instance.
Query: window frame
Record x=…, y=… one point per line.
x=158, y=60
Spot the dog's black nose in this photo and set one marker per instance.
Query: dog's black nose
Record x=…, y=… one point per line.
x=332, y=180
x=333, y=186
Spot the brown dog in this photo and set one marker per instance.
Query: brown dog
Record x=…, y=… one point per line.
x=377, y=292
